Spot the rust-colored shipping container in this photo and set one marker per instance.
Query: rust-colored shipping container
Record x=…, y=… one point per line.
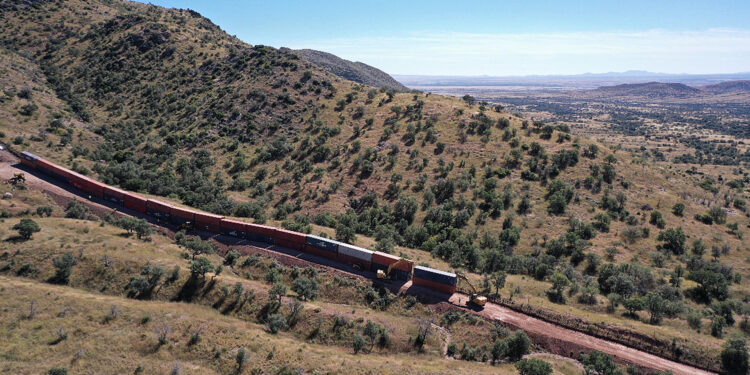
x=28, y=159
x=208, y=222
x=234, y=228
x=294, y=245
x=135, y=202
x=113, y=194
x=158, y=209
x=52, y=169
x=260, y=233
x=179, y=215
x=291, y=236
x=443, y=288
x=94, y=187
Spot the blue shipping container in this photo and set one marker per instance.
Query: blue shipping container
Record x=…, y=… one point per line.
x=437, y=276
x=322, y=243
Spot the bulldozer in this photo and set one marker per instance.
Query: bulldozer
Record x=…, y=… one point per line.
x=474, y=297
x=18, y=178
x=386, y=275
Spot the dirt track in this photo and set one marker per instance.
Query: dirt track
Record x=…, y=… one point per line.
x=556, y=339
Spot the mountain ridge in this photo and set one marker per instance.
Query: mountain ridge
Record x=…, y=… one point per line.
x=352, y=70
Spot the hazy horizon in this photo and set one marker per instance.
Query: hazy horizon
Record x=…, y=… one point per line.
x=513, y=39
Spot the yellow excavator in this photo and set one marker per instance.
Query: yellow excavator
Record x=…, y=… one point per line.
x=474, y=297
x=18, y=178
x=386, y=275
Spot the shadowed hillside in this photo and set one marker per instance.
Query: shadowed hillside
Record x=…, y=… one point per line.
x=353, y=71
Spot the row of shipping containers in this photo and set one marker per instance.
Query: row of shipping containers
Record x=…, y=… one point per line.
x=337, y=251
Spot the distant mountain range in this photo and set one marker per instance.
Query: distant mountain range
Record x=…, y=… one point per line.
x=569, y=82
x=671, y=90
x=353, y=71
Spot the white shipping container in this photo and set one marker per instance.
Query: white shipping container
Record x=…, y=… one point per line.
x=355, y=252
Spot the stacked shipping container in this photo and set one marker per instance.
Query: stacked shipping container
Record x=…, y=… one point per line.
x=344, y=253
x=435, y=279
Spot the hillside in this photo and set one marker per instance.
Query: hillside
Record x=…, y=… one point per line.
x=728, y=87
x=353, y=71
x=649, y=90
x=163, y=102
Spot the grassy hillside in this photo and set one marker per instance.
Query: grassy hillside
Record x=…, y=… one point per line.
x=163, y=102
x=101, y=318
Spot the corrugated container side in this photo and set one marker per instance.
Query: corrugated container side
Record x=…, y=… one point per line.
x=208, y=222
x=135, y=202
x=94, y=187
x=260, y=233
x=314, y=250
x=435, y=275
x=29, y=159
x=291, y=236
x=294, y=245
x=52, y=169
x=158, y=209
x=322, y=243
x=179, y=215
x=429, y=284
x=233, y=228
x=355, y=252
x=351, y=261
x=113, y=194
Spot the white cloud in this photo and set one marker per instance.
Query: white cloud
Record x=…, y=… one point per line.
x=707, y=51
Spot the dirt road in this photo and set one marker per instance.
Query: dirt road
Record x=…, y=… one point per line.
x=556, y=339
x=540, y=328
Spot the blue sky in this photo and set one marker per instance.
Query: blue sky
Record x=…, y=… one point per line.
x=500, y=37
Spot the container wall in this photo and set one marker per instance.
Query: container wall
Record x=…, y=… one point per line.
x=28, y=159
x=429, y=284
x=233, y=228
x=294, y=245
x=288, y=235
x=356, y=252
x=352, y=261
x=208, y=222
x=113, y=194
x=437, y=276
x=158, y=209
x=260, y=233
x=52, y=169
x=322, y=243
x=135, y=202
x=179, y=215
x=314, y=250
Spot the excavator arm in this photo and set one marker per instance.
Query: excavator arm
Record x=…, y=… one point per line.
x=474, y=297
x=387, y=274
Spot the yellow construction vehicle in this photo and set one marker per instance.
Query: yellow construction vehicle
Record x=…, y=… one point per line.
x=386, y=275
x=474, y=297
x=18, y=178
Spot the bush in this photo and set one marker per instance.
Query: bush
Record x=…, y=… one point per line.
x=673, y=240
x=305, y=288
x=231, y=257
x=63, y=267
x=695, y=320
x=57, y=371
x=599, y=363
x=276, y=323
x=358, y=343
x=533, y=366
x=519, y=345
x=678, y=209
x=734, y=356
x=26, y=228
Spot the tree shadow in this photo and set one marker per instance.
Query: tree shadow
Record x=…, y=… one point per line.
x=16, y=239
x=189, y=290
